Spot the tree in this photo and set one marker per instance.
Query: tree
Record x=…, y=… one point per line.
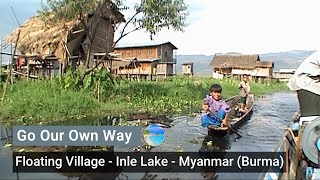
x=151, y=15
x=57, y=11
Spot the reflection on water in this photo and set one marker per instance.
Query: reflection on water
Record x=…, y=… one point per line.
x=271, y=115
x=213, y=147
x=5, y=135
x=260, y=133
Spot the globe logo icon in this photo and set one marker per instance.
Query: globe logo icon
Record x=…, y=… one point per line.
x=153, y=135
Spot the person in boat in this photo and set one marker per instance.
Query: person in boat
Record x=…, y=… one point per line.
x=213, y=103
x=244, y=87
x=306, y=83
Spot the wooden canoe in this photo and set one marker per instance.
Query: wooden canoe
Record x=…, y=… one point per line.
x=289, y=144
x=233, y=117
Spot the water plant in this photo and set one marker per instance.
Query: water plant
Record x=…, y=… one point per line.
x=38, y=102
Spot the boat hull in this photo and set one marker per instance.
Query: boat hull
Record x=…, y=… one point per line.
x=233, y=120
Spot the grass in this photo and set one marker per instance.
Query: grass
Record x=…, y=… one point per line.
x=40, y=99
x=34, y=102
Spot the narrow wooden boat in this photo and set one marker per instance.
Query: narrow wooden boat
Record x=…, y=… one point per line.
x=234, y=118
x=301, y=152
x=288, y=141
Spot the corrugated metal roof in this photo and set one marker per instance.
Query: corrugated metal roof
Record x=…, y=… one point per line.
x=188, y=63
x=287, y=70
x=138, y=45
x=138, y=60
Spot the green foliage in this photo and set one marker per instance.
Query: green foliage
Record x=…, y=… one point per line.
x=98, y=81
x=176, y=95
x=157, y=14
x=2, y=70
x=54, y=11
x=151, y=15
x=2, y=80
x=34, y=102
x=3, y=77
x=41, y=100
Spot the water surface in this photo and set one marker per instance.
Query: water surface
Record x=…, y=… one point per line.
x=262, y=132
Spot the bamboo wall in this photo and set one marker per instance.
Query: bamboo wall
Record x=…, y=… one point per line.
x=165, y=69
x=139, y=53
x=187, y=69
x=283, y=76
x=259, y=72
x=143, y=69
x=165, y=52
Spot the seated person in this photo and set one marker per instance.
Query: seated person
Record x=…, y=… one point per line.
x=214, y=104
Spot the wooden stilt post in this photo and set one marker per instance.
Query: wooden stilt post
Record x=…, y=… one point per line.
x=11, y=64
x=1, y=58
x=14, y=52
x=285, y=147
x=28, y=72
x=132, y=78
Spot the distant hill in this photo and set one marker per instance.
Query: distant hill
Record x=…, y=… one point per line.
x=201, y=63
x=286, y=60
x=282, y=60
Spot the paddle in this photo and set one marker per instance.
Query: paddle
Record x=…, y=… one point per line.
x=227, y=124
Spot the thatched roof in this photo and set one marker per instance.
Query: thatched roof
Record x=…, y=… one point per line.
x=265, y=64
x=38, y=37
x=131, y=63
x=234, y=61
x=128, y=64
x=116, y=64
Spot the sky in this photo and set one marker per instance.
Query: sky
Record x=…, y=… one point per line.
x=217, y=26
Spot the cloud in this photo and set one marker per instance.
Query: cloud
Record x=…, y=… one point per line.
x=246, y=26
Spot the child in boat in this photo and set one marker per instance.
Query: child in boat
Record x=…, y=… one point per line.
x=244, y=87
x=214, y=104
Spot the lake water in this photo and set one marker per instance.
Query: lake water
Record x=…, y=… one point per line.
x=262, y=132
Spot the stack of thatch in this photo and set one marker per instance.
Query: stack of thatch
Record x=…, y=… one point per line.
x=222, y=61
x=65, y=38
x=39, y=38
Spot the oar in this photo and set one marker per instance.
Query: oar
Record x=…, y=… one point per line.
x=227, y=124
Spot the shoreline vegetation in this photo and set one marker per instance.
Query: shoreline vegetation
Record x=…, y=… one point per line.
x=39, y=101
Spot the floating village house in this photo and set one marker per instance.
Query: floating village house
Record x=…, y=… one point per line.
x=236, y=65
x=187, y=69
x=48, y=49
x=283, y=74
x=146, y=60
